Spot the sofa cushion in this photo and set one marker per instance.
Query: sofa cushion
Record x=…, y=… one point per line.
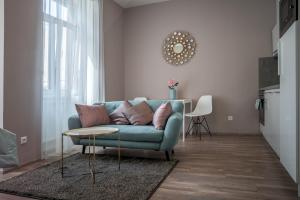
x=140, y=114
x=92, y=115
x=135, y=133
x=177, y=106
x=117, y=116
x=161, y=115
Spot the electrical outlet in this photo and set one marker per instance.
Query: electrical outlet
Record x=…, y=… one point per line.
x=23, y=139
x=229, y=117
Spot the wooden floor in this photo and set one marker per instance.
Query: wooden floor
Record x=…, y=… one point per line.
x=231, y=167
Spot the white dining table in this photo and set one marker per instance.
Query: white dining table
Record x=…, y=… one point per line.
x=185, y=102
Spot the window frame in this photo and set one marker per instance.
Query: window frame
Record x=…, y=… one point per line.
x=53, y=23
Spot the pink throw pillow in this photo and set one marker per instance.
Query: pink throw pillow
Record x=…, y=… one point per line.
x=161, y=115
x=92, y=115
x=117, y=116
x=140, y=114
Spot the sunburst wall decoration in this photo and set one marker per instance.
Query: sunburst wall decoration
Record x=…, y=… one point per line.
x=179, y=47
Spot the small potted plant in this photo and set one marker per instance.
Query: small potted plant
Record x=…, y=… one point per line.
x=172, y=84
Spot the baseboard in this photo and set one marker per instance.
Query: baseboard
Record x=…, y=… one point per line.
x=6, y=170
x=240, y=134
x=230, y=133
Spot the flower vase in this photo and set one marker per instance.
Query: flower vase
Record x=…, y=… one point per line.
x=172, y=94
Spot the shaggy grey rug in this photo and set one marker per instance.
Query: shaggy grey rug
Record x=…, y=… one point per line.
x=137, y=179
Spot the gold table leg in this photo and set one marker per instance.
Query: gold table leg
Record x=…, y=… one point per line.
x=62, y=155
x=119, y=152
x=90, y=152
x=94, y=160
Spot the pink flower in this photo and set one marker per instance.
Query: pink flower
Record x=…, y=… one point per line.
x=172, y=83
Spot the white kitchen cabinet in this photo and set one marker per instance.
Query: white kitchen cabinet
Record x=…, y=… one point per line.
x=271, y=129
x=275, y=38
x=288, y=101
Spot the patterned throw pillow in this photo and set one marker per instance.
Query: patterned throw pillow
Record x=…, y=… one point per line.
x=92, y=115
x=117, y=116
x=161, y=115
x=140, y=114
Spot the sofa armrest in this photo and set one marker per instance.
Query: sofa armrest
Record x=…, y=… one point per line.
x=172, y=131
x=74, y=122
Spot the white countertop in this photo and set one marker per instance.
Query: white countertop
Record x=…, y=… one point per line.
x=272, y=91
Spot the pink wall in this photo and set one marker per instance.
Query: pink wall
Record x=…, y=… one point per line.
x=113, y=50
x=231, y=35
x=22, y=74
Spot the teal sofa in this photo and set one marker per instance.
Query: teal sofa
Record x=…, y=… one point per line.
x=138, y=137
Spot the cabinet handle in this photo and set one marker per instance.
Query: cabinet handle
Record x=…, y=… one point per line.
x=279, y=59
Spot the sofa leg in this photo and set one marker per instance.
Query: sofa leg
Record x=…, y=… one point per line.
x=167, y=155
x=83, y=149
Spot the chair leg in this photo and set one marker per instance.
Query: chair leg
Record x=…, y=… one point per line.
x=198, y=128
x=199, y=125
x=194, y=127
x=196, y=124
x=104, y=147
x=189, y=128
x=83, y=149
x=173, y=151
x=167, y=155
x=207, y=126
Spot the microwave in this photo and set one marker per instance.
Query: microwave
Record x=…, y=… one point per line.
x=288, y=13
x=268, y=73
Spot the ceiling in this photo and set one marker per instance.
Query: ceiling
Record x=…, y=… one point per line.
x=134, y=3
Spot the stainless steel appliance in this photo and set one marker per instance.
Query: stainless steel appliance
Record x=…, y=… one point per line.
x=261, y=111
x=288, y=14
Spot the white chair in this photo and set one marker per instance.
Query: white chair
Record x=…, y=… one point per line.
x=8, y=149
x=140, y=99
x=198, y=116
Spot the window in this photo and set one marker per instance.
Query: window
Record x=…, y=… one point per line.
x=73, y=70
x=57, y=29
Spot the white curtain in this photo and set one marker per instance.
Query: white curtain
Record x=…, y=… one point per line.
x=73, y=64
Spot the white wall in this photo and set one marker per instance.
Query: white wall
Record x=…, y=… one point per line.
x=1, y=59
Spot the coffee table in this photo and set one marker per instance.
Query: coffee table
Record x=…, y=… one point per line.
x=91, y=134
